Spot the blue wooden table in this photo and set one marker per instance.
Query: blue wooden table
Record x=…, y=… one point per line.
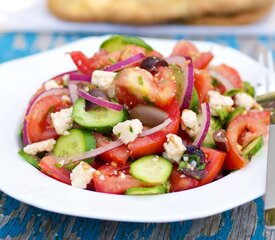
x=21, y=221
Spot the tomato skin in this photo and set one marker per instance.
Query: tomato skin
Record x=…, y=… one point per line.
x=47, y=165
x=215, y=160
x=229, y=73
x=203, y=60
x=179, y=183
x=38, y=120
x=263, y=116
x=108, y=180
x=240, y=124
x=118, y=155
x=99, y=60
x=186, y=48
x=203, y=84
x=154, y=143
x=130, y=51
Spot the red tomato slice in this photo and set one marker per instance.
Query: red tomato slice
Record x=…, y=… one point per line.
x=100, y=60
x=229, y=73
x=130, y=51
x=214, y=160
x=119, y=154
x=185, y=48
x=136, y=85
x=154, y=143
x=179, y=182
x=39, y=122
x=203, y=84
x=154, y=54
x=108, y=179
x=239, y=125
x=263, y=116
x=47, y=165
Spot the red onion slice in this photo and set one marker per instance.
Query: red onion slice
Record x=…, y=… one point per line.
x=75, y=76
x=187, y=67
x=73, y=92
x=99, y=101
x=205, y=124
x=91, y=153
x=43, y=94
x=220, y=78
x=125, y=63
x=156, y=128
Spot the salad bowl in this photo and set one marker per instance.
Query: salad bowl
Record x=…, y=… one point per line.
x=25, y=183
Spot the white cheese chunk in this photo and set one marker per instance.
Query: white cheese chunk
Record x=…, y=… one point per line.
x=62, y=120
x=246, y=101
x=34, y=148
x=189, y=122
x=82, y=175
x=218, y=101
x=128, y=131
x=174, y=148
x=51, y=84
x=105, y=81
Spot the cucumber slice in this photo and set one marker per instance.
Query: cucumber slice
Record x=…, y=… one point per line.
x=252, y=148
x=118, y=43
x=152, y=169
x=78, y=141
x=194, y=105
x=98, y=119
x=146, y=191
x=233, y=92
x=236, y=112
x=29, y=158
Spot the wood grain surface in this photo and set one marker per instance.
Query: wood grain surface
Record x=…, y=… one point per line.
x=21, y=221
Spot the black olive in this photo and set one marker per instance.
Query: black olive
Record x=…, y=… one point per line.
x=96, y=92
x=151, y=64
x=193, y=150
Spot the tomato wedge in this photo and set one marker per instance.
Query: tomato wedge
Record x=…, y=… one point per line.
x=39, y=123
x=229, y=73
x=203, y=84
x=48, y=166
x=214, y=160
x=243, y=128
x=118, y=155
x=115, y=179
x=154, y=143
x=179, y=182
x=185, y=48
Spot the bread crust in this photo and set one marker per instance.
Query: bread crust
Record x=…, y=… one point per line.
x=158, y=11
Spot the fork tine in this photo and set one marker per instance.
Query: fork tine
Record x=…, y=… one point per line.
x=271, y=74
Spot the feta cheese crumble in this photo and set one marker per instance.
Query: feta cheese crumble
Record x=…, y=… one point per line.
x=128, y=131
x=218, y=101
x=63, y=121
x=174, y=148
x=105, y=81
x=189, y=122
x=34, y=148
x=82, y=175
x=51, y=84
x=246, y=101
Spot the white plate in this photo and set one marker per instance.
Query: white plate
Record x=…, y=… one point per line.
x=21, y=78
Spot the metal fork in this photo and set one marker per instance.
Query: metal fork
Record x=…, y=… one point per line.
x=265, y=84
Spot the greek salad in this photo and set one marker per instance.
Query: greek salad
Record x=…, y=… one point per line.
x=132, y=121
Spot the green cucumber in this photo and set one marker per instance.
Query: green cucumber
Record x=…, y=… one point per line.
x=160, y=189
x=78, y=141
x=233, y=92
x=97, y=119
x=236, y=112
x=215, y=125
x=152, y=169
x=249, y=89
x=29, y=158
x=194, y=105
x=252, y=148
x=118, y=43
